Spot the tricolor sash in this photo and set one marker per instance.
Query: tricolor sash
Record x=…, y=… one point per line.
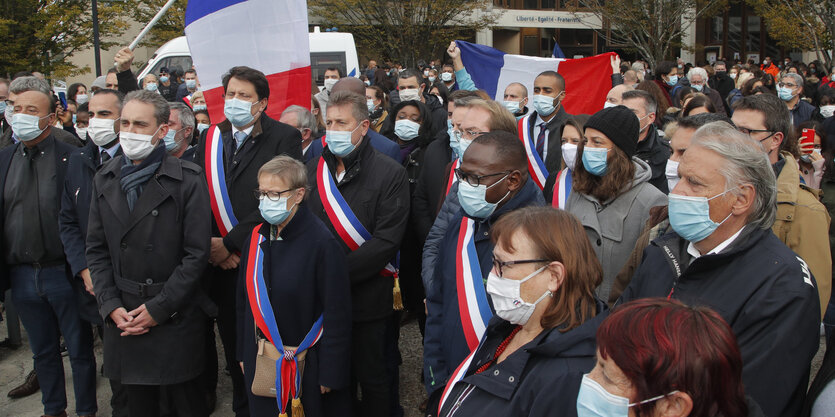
x=216, y=179
x=459, y=374
x=536, y=167
x=472, y=296
x=562, y=188
x=187, y=100
x=287, y=377
x=452, y=177
x=343, y=219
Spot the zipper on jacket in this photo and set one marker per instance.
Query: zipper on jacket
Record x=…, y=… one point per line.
x=463, y=396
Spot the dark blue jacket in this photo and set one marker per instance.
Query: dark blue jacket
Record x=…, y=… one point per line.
x=62, y=154
x=444, y=343
x=72, y=220
x=384, y=145
x=306, y=276
x=314, y=151
x=542, y=378
x=801, y=112
x=763, y=290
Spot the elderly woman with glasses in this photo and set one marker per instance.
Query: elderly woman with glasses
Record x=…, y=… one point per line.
x=294, y=303
x=533, y=354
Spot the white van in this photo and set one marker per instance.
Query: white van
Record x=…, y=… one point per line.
x=327, y=50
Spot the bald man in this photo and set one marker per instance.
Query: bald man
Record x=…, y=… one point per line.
x=615, y=96
x=378, y=141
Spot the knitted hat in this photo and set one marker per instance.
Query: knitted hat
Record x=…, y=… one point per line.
x=620, y=125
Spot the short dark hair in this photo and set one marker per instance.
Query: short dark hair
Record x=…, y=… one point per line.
x=119, y=95
x=161, y=109
x=698, y=120
x=650, y=105
x=21, y=74
x=698, y=100
x=560, y=79
x=251, y=75
x=508, y=147
x=338, y=71
x=83, y=108
x=190, y=71
x=664, y=68
x=409, y=73
x=775, y=113
x=720, y=63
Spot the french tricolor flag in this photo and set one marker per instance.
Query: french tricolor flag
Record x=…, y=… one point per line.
x=268, y=35
x=587, y=80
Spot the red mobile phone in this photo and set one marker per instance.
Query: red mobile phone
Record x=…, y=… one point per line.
x=807, y=141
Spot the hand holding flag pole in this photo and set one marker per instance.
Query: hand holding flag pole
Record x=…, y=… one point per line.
x=148, y=27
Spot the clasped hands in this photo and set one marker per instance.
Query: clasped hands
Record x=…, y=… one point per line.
x=221, y=257
x=133, y=323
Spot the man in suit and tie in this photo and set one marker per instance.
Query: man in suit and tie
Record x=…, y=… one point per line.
x=544, y=126
x=242, y=143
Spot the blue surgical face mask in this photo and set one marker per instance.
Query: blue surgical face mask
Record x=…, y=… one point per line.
x=3, y=107
x=26, y=126
x=275, y=212
x=544, y=105
x=199, y=107
x=163, y=79
x=673, y=80
x=473, y=199
x=339, y=142
x=191, y=84
x=201, y=127
x=594, y=401
x=594, y=160
x=151, y=86
x=698, y=87
x=690, y=216
x=406, y=129
x=238, y=112
x=785, y=93
x=370, y=105
x=512, y=106
x=454, y=139
x=74, y=119
x=170, y=142
x=432, y=80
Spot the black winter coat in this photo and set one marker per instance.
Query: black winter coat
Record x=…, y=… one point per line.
x=269, y=138
x=431, y=185
x=72, y=221
x=306, y=276
x=377, y=191
x=655, y=151
x=542, y=378
x=153, y=255
x=763, y=290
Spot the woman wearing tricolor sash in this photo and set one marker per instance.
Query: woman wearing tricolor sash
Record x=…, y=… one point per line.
x=558, y=186
x=293, y=292
x=532, y=357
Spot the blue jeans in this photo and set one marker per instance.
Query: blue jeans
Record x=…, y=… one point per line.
x=47, y=307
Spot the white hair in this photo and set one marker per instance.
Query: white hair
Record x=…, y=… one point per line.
x=697, y=71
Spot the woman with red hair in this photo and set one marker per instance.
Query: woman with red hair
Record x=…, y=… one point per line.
x=657, y=357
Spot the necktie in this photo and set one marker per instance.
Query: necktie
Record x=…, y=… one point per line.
x=540, y=140
x=105, y=156
x=239, y=139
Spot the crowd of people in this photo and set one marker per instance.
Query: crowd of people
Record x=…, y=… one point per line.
x=668, y=255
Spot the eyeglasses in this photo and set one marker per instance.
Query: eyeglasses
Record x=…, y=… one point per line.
x=270, y=195
x=499, y=265
x=748, y=132
x=475, y=180
x=786, y=85
x=471, y=134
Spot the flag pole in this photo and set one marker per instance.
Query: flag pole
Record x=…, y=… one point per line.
x=151, y=24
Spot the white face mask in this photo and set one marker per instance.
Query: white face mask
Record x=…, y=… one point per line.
x=507, y=298
x=329, y=83
x=569, y=154
x=82, y=132
x=410, y=94
x=671, y=171
x=137, y=146
x=826, y=111
x=101, y=130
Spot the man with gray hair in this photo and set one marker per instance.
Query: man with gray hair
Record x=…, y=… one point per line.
x=180, y=132
x=375, y=189
x=147, y=246
x=303, y=120
x=23, y=84
x=790, y=90
x=33, y=263
x=723, y=254
x=698, y=81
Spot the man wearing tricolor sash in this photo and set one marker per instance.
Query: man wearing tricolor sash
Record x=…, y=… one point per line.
x=362, y=196
x=540, y=131
x=492, y=180
x=230, y=154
